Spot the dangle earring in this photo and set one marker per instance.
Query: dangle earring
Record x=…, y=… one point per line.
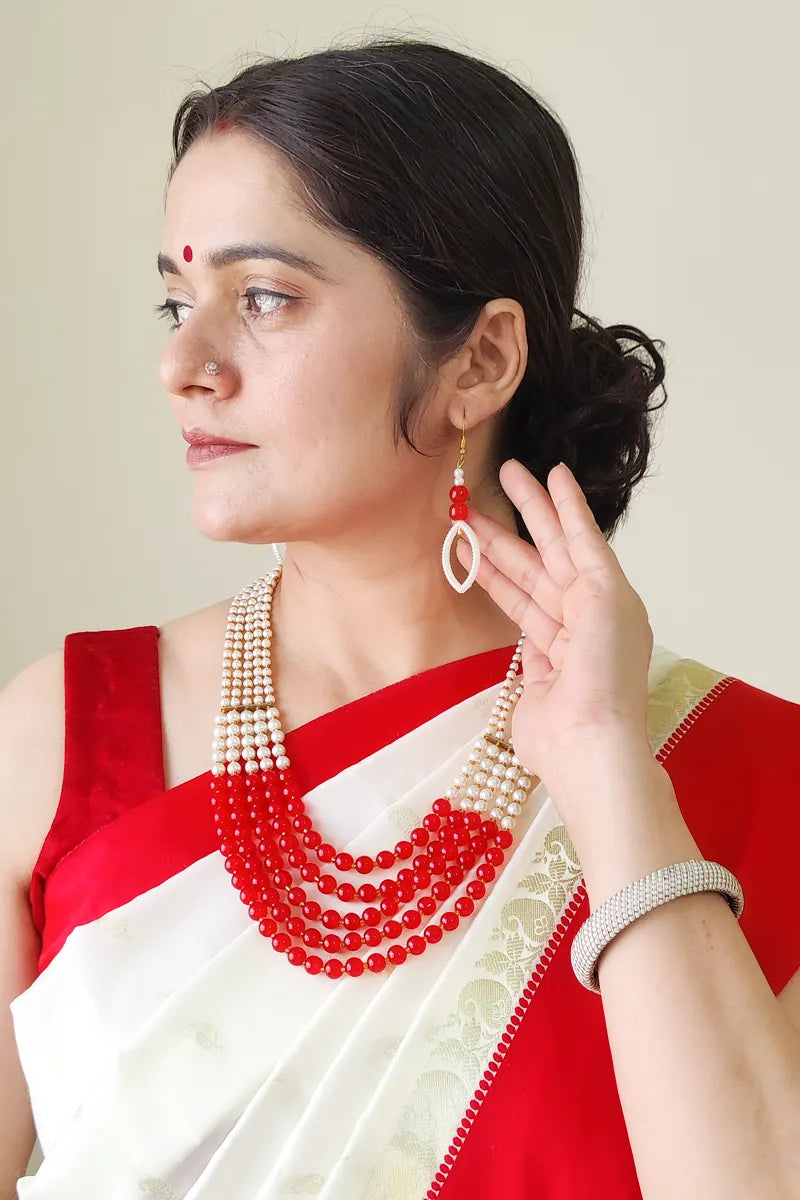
x=459, y=494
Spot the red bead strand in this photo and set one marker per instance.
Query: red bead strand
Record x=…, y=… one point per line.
x=259, y=816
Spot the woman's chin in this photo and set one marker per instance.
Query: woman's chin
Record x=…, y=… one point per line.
x=222, y=522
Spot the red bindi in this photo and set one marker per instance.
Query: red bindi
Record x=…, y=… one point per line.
x=187, y=253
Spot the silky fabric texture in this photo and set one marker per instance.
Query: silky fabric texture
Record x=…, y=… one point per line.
x=731, y=752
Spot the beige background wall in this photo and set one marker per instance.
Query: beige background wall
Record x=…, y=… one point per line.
x=684, y=117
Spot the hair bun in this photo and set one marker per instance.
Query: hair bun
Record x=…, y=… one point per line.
x=605, y=433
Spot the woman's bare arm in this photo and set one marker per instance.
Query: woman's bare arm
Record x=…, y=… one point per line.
x=31, y=771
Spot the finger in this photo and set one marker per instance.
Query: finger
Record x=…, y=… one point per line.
x=585, y=540
x=541, y=519
x=519, y=562
x=521, y=608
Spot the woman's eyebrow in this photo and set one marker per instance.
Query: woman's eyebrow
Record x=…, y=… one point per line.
x=223, y=256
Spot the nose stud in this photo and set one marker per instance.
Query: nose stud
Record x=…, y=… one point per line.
x=212, y=368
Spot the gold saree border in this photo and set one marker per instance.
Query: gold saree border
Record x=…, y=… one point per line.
x=467, y=1049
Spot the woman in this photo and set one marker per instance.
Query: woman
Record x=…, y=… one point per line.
x=371, y=257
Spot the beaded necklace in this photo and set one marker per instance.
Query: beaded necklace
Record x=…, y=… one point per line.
x=269, y=843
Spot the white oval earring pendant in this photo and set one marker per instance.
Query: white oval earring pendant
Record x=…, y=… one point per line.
x=447, y=548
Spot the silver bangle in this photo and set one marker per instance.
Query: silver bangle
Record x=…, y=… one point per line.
x=639, y=897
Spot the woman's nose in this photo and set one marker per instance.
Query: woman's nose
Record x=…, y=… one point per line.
x=188, y=365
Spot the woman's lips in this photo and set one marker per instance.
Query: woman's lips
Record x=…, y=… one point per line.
x=201, y=452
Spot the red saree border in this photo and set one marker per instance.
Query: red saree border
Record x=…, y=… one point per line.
x=559, y=1069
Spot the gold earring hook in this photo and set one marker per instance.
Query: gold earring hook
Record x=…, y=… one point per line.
x=462, y=454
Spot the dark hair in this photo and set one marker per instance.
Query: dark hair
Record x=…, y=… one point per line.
x=465, y=184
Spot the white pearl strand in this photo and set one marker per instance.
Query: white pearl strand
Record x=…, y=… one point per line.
x=248, y=733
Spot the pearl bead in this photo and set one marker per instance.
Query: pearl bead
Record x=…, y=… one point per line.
x=514, y=809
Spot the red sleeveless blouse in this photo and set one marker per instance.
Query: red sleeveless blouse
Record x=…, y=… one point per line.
x=546, y=1119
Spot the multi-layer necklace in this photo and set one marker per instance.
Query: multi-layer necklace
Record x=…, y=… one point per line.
x=271, y=848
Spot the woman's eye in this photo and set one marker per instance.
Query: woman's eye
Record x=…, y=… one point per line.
x=170, y=309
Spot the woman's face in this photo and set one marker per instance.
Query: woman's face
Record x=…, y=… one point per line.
x=307, y=377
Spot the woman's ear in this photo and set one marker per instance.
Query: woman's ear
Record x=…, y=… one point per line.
x=483, y=376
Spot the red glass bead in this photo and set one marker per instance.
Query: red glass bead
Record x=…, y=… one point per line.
x=459, y=493
x=385, y=860
x=441, y=890
x=352, y=941
x=486, y=872
x=495, y=856
x=295, y=926
x=333, y=968
x=397, y=955
x=432, y=933
x=454, y=875
x=313, y=964
x=332, y=943
x=376, y=963
x=326, y=884
x=419, y=836
x=392, y=929
x=458, y=512
x=346, y=892
x=476, y=889
x=449, y=921
x=464, y=906
x=371, y=916
x=389, y=906
x=267, y=927
x=354, y=967
x=364, y=864
x=344, y=861
x=442, y=806
x=415, y=944
x=411, y=919
x=312, y=911
x=404, y=850
x=504, y=838
x=351, y=920
x=387, y=887
x=310, y=872
x=372, y=936
x=296, y=896
x=312, y=937
x=281, y=911
x=405, y=894
x=431, y=822
x=426, y=905
x=326, y=852
x=312, y=839
x=281, y=942
x=368, y=892
x=296, y=956
x=331, y=919
x=422, y=879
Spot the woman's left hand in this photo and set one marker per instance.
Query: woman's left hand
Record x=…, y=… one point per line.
x=588, y=641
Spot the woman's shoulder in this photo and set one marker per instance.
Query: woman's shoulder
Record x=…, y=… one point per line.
x=31, y=757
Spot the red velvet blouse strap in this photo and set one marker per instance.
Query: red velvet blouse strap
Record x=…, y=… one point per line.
x=113, y=749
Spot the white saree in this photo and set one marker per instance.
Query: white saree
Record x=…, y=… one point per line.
x=171, y=1053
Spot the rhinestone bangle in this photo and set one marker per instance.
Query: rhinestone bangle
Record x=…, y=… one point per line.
x=639, y=897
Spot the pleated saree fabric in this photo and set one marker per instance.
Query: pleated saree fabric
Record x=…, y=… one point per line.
x=171, y=1052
